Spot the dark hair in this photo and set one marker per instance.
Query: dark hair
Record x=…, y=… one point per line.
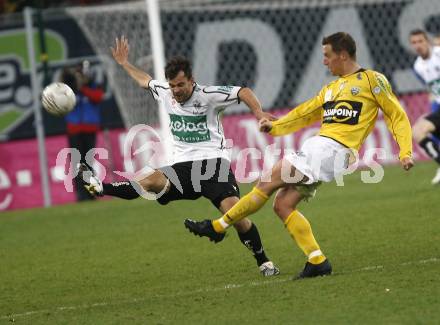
x=69, y=78
x=418, y=31
x=177, y=64
x=341, y=42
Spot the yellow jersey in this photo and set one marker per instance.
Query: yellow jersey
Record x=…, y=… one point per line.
x=348, y=108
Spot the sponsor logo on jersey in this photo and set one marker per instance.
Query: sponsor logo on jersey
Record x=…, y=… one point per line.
x=197, y=104
x=383, y=83
x=342, y=111
x=355, y=91
x=189, y=128
x=198, y=109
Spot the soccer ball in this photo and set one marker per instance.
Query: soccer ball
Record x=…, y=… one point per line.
x=58, y=99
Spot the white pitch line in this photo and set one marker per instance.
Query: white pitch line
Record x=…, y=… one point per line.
x=204, y=290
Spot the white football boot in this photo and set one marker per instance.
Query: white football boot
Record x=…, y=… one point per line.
x=269, y=269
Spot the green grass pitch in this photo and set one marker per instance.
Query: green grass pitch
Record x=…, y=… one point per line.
x=132, y=262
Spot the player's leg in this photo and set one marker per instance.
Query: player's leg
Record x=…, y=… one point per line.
x=254, y=200
x=248, y=204
x=87, y=144
x=423, y=130
x=154, y=182
x=250, y=237
x=285, y=206
x=76, y=141
x=222, y=190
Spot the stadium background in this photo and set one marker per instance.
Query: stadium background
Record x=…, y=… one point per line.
x=271, y=46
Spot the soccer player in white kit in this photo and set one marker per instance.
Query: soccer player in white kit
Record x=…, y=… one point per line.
x=199, y=146
x=427, y=69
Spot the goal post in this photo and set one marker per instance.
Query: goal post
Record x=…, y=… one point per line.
x=157, y=49
x=140, y=22
x=36, y=89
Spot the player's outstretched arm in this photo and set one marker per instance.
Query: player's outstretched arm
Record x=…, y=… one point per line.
x=301, y=116
x=265, y=125
x=247, y=96
x=395, y=117
x=120, y=54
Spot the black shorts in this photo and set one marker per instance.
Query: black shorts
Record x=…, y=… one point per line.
x=211, y=178
x=434, y=118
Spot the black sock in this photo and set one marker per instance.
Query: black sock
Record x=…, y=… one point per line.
x=251, y=239
x=431, y=148
x=124, y=190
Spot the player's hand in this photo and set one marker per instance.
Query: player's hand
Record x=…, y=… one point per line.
x=120, y=51
x=407, y=163
x=267, y=116
x=265, y=125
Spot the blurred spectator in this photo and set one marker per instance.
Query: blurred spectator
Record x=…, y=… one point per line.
x=84, y=121
x=426, y=130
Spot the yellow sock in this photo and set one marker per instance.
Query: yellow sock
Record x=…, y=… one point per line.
x=247, y=205
x=301, y=231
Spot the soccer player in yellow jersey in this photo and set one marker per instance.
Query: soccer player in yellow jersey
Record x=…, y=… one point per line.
x=347, y=108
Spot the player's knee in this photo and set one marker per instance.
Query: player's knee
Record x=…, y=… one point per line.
x=243, y=225
x=267, y=188
x=149, y=184
x=421, y=129
x=155, y=182
x=280, y=208
x=417, y=134
x=277, y=206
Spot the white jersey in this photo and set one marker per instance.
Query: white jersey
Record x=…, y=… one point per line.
x=428, y=70
x=195, y=124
